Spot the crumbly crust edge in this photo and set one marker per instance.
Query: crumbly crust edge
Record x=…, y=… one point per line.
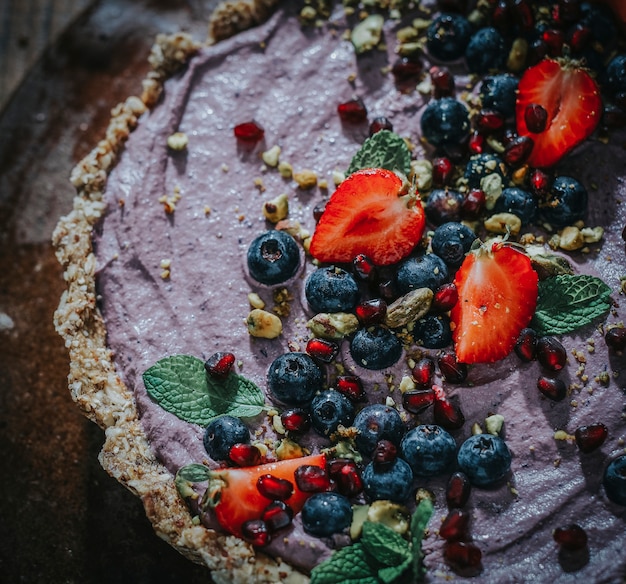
x=93, y=381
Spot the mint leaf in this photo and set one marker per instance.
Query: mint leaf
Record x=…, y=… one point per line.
x=346, y=566
x=567, y=302
x=419, y=522
x=187, y=475
x=382, y=150
x=180, y=385
x=384, y=544
x=389, y=574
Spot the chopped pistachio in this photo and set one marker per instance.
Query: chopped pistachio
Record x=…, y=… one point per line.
x=270, y=157
x=406, y=384
x=409, y=308
x=276, y=209
x=359, y=517
x=306, y=179
x=592, y=234
x=288, y=449
x=570, y=238
x=516, y=60
x=503, y=223
x=333, y=326
x=494, y=424
x=492, y=187
x=285, y=170
x=264, y=324
x=177, y=141
x=393, y=515
x=255, y=300
x=367, y=33
x=422, y=174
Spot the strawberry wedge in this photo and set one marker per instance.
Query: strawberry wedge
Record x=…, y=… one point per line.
x=497, y=289
x=369, y=214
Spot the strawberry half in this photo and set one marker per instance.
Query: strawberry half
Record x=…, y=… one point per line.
x=234, y=497
x=497, y=298
x=369, y=214
x=572, y=100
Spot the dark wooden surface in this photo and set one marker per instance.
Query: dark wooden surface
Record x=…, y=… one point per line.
x=62, y=518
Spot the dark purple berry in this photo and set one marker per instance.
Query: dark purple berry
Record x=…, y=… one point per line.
x=553, y=388
x=551, y=353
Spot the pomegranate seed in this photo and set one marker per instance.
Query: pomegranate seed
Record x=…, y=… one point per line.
x=450, y=368
x=322, y=349
x=447, y=414
x=243, y=454
x=579, y=37
x=457, y=490
x=352, y=111
x=445, y=298
x=443, y=82
x=517, y=151
x=442, y=171
x=526, y=345
x=417, y=400
x=274, y=487
x=536, y=118
x=463, y=555
x=346, y=475
x=476, y=144
x=423, y=372
x=590, y=437
x=406, y=69
x=569, y=10
x=474, y=203
x=554, y=40
x=277, y=515
x=249, y=132
x=501, y=17
x=219, y=365
x=351, y=386
x=256, y=532
x=380, y=123
x=295, y=420
x=552, y=387
x=572, y=537
x=312, y=479
x=551, y=353
x=489, y=121
x=371, y=312
x=385, y=452
x=615, y=338
x=455, y=527
x=318, y=211
x=455, y=152
x=540, y=181
x=364, y=269
x=387, y=290
x=522, y=14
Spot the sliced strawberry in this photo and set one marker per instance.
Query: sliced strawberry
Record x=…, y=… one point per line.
x=235, y=498
x=368, y=214
x=572, y=100
x=497, y=298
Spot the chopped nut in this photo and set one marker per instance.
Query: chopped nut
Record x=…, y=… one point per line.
x=177, y=141
x=276, y=209
x=592, y=234
x=367, y=33
x=409, y=308
x=571, y=238
x=476, y=429
x=503, y=223
x=288, y=449
x=422, y=174
x=285, y=170
x=165, y=263
x=264, y=324
x=494, y=424
x=406, y=384
x=333, y=326
x=491, y=185
x=277, y=423
x=517, y=55
x=306, y=179
x=338, y=177
x=255, y=300
x=270, y=157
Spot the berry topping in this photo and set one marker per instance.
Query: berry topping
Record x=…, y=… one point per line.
x=427, y=271
x=429, y=449
x=274, y=487
x=497, y=298
x=364, y=268
x=312, y=478
x=445, y=121
x=473, y=204
x=273, y=257
x=553, y=388
x=256, y=532
x=352, y=111
x=295, y=420
x=377, y=422
x=572, y=537
x=219, y=365
x=572, y=101
x=443, y=205
x=392, y=481
x=326, y=513
x=455, y=527
x=368, y=214
x=443, y=82
x=451, y=241
x=346, y=475
x=322, y=349
x=457, y=490
x=351, y=386
x=463, y=555
x=329, y=409
x=482, y=165
x=380, y=123
x=417, y=400
x=294, y=378
x=565, y=203
x=371, y=312
x=244, y=454
x=485, y=51
x=433, y=331
x=498, y=92
x=589, y=438
x=517, y=201
x=249, y=132
x=447, y=36
x=614, y=480
x=485, y=459
x=446, y=413
x=385, y=452
x=375, y=348
x=526, y=345
x=518, y=150
x=451, y=368
x=423, y=372
x=331, y=289
x=443, y=170
x=277, y=515
x=222, y=434
x=551, y=353
x=536, y=118
x=615, y=338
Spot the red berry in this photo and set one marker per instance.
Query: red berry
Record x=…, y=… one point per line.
x=443, y=82
x=380, y=123
x=451, y=368
x=489, y=121
x=568, y=11
x=256, y=532
x=385, y=452
x=572, y=537
x=417, y=400
x=243, y=454
x=455, y=527
x=615, y=338
x=387, y=290
x=522, y=15
x=552, y=387
x=501, y=16
x=249, y=132
x=540, y=181
x=406, y=69
x=322, y=349
x=219, y=365
x=580, y=37
x=295, y=420
x=443, y=170
x=352, y=111
x=551, y=353
x=457, y=490
x=473, y=203
x=518, y=150
x=536, y=118
x=554, y=40
x=423, y=372
x=447, y=414
x=591, y=437
x=370, y=312
x=346, y=476
x=463, y=555
x=476, y=144
x=312, y=479
x=274, y=488
x=445, y=297
x=277, y=515
x=364, y=268
x=526, y=345
x=351, y=386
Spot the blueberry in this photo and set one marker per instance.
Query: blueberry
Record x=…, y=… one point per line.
x=566, y=202
x=482, y=165
x=324, y=514
x=447, y=36
x=499, y=92
x=433, y=331
x=601, y=22
x=429, y=449
x=331, y=289
x=517, y=201
x=443, y=205
x=616, y=74
x=329, y=409
x=485, y=51
x=294, y=378
x=222, y=433
x=273, y=257
x=451, y=241
x=427, y=271
x=614, y=480
x=485, y=459
x=377, y=422
x=392, y=482
x=375, y=348
x=445, y=121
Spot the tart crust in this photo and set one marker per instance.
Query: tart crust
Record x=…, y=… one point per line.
x=93, y=381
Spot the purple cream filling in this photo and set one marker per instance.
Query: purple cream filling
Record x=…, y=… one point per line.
x=290, y=80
